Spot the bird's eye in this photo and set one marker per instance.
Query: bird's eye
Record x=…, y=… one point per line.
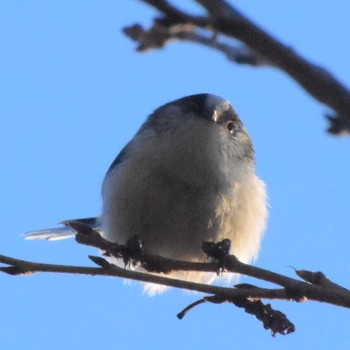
x=230, y=126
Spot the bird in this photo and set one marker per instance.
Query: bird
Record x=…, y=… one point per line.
x=187, y=176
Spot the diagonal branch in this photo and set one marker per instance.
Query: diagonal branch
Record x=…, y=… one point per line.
x=261, y=48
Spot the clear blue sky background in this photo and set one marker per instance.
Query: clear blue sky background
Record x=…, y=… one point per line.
x=73, y=91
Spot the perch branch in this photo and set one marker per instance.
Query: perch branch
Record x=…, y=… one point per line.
x=18, y=267
x=317, y=286
x=295, y=289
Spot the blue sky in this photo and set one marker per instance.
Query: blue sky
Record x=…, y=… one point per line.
x=73, y=91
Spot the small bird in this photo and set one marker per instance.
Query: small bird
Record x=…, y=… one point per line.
x=187, y=176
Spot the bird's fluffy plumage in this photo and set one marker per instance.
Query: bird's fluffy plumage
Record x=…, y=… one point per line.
x=187, y=176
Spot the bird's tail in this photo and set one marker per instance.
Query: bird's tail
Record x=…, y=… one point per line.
x=53, y=234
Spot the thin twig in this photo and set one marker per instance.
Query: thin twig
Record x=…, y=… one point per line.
x=183, y=313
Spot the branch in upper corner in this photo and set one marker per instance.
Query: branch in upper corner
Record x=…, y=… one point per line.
x=258, y=47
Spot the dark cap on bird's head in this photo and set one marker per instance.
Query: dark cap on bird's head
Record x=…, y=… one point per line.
x=207, y=106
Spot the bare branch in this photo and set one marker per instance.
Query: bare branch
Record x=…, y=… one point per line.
x=261, y=48
x=317, y=287
x=293, y=289
x=29, y=267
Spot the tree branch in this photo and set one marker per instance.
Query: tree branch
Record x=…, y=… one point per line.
x=18, y=267
x=271, y=319
x=317, y=286
x=294, y=289
x=258, y=48
x=312, y=290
